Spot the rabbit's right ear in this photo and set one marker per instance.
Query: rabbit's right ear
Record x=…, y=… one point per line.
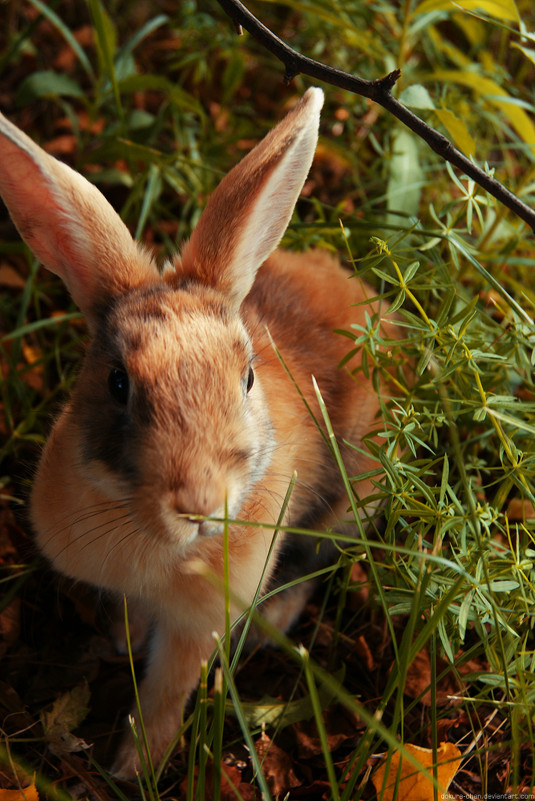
x=67, y=223
x=249, y=211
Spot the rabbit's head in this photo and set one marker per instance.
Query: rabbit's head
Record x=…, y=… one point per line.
x=169, y=416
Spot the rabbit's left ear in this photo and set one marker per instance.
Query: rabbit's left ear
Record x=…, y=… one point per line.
x=248, y=213
x=67, y=222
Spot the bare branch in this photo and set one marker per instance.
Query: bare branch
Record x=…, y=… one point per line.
x=380, y=91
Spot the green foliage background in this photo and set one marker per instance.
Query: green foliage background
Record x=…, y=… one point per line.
x=161, y=99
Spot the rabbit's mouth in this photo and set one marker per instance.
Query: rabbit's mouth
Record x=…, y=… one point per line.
x=188, y=527
x=183, y=529
x=193, y=526
x=211, y=527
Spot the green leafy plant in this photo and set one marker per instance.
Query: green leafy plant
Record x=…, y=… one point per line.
x=425, y=629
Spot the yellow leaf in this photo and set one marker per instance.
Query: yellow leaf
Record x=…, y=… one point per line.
x=26, y=794
x=528, y=52
x=501, y=9
x=457, y=130
x=31, y=354
x=496, y=96
x=414, y=785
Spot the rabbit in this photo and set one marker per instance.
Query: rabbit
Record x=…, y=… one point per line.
x=184, y=414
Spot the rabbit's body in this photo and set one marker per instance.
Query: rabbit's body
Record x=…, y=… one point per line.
x=96, y=463
x=183, y=410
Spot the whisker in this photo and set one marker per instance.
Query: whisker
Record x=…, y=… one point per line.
x=90, y=514
x=122, y=541
x=113, y=527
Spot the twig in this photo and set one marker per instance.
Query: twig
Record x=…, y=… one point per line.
x=380, y=91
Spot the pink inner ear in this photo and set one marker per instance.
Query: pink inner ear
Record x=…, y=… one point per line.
x=44, y=227
x=31, y=186
x=68, y=224
x=249, y=211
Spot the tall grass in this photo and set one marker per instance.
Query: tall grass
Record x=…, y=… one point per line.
x=156, y=102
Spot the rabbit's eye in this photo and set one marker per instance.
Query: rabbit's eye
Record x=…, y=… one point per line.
x=250, y=379
x=118, y=385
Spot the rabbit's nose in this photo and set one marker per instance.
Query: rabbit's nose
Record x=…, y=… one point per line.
x=194, y=503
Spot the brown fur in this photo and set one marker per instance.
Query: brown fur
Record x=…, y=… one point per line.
x=123, y=486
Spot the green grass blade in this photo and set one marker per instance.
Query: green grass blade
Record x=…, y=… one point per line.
x=242, y=719
x=106, y=45
x=58, y=23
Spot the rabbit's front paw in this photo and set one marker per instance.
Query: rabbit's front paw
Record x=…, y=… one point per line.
x=127, y=763
x=159, y=730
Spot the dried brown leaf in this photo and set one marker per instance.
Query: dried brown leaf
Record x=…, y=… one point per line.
x=339, y=726
x=418, y=681
x=67, y=712
x=277, y=766
x=364, y=651
x=231, y=781
x=10, y=623
x=520, y=509
x=10, y=278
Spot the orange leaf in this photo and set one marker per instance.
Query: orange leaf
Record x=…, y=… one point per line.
x=11, y=278
x=26, y=794
x=414, y=785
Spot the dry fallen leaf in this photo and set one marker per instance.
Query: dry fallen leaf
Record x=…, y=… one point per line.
x=341, y=728
x=418, y=681
x=11, y=278
x=520, y=509
x=25, y=794
x=364, y=651
x=31, y=353
x=231, y=784
x=360, y=591
x=67, y=712
x=418, y=678
x=277, y=766
x=414, y=785
x=9, y=624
